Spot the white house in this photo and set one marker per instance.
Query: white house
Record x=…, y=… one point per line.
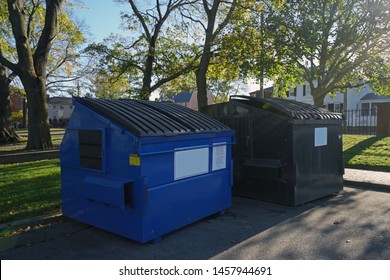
x=360, y=108
x=59, y=108
x=363, y=98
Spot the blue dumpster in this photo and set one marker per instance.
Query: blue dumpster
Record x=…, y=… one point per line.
x=142, y=169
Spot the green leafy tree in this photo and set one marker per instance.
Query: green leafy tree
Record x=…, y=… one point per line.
x=221, y=90
x=104, y=85
x=66, y=66
x=337, y=44
x=155, y=54
x=214, y=16
x=7, y=131
x=37, y=52
x=31, y=66
x=255, y=44
x=238, y=43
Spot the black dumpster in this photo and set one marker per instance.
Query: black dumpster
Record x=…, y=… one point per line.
x=287, y=152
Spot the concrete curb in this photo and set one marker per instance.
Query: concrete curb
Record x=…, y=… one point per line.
x=30, y=221
x=367, y=185
x=29, y=156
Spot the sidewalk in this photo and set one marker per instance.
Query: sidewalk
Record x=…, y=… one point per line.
x=366, y=178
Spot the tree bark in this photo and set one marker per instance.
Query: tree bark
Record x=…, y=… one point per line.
x=7, y=131
x=147, y=79
x=38, y=130
x=31, y=68
x=201, y=75
x=318, y=97
x=211, y=33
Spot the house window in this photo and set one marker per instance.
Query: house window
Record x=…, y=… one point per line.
x=295, y=92
x=365, y=109
x=304, y=90
x=337, y=107
x=374, y=108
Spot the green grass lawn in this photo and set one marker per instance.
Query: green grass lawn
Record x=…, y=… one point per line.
x=20, y=147
x=367, y=152
x=29, y=189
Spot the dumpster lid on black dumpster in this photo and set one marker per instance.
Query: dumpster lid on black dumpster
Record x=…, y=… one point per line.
x=150, y=118
x=290, y=108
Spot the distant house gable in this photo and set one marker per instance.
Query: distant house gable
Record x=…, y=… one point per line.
x=60, y=101
x=182, y=97
x=185, y=98
x=372, y=97
x=59, y=108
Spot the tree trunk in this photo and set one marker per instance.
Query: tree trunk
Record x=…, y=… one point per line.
x=7, y=131
x=31, y=68
x=147, y=79
x=212, y=32
x=201, y=72
x=201, y=80
x=318, y=97
x=24, y=121
x=38, y=125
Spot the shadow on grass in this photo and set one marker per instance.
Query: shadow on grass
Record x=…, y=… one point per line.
x=30, y=197
x=359, y=148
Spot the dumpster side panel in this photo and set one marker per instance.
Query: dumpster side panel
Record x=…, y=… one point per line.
x=269, y=174
x=180, y=203
x=191, y=155
x=105, y=196
x=318, y=160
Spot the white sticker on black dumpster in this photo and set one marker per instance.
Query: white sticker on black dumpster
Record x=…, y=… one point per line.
x=219, y=157
x=320, y=136
x=191, y=162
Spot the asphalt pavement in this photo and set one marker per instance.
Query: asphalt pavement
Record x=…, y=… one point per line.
x=352, y=224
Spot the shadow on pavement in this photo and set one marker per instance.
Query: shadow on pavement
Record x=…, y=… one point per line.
x=348, y=225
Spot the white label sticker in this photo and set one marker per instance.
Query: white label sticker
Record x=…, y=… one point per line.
x=219, y=157
x=191, y=162
x=320, y=136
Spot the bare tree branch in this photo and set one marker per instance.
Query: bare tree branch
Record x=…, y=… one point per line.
x=4, y=61
x=31, y=14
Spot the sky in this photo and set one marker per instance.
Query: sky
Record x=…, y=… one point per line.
x=102, y=17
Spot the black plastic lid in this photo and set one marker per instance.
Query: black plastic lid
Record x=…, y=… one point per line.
x=150, y=118
x=290, y=108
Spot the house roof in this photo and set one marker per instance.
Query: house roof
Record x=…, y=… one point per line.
x=149, y=118
x=372, y=96
x=182, y=97
x=60, y=100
